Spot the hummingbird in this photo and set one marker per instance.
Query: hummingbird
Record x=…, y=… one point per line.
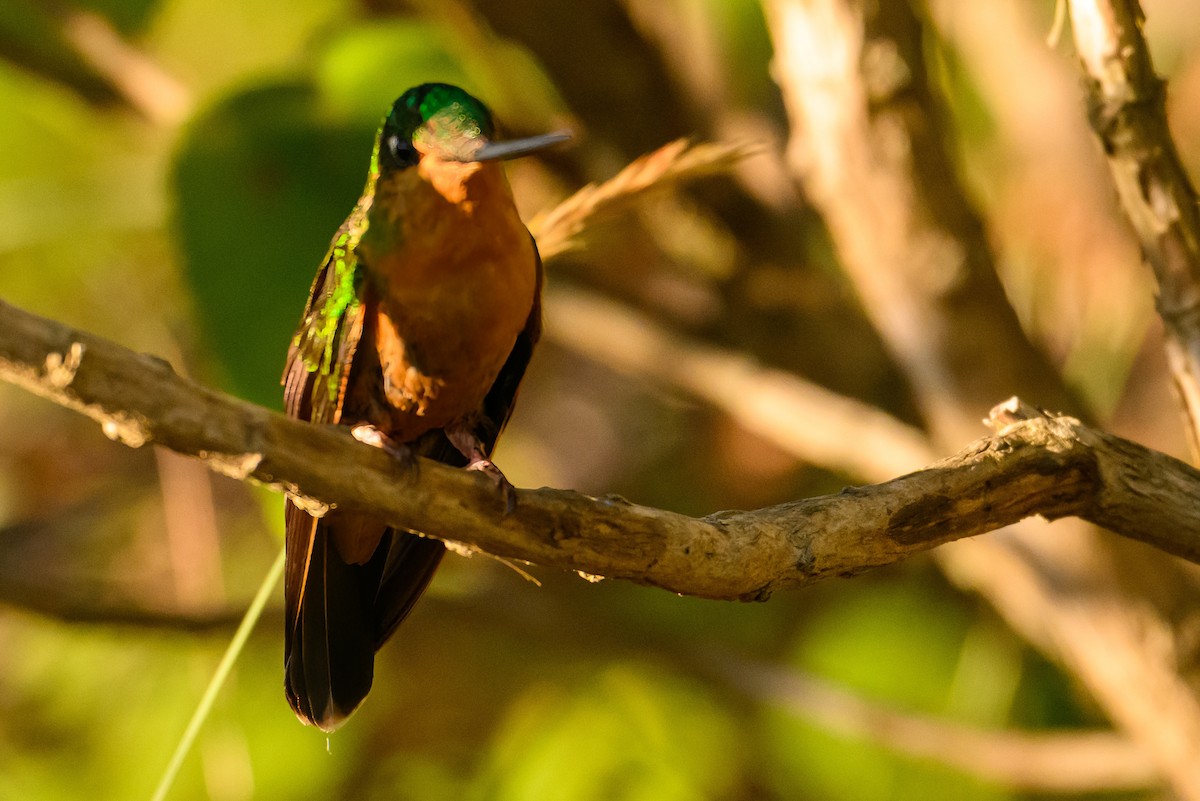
x=416, y=335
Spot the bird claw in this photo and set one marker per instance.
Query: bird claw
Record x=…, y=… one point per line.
x=507, y=491
x=370, y=435
x=469, y=445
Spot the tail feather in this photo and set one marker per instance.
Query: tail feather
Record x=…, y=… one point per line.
x=343, y=614
x=340, y=612
x=330, y=662
x=409, y=567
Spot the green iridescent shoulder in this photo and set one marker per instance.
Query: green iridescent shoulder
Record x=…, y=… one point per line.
x=335, y=295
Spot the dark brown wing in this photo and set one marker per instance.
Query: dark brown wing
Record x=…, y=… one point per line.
x=412, y=559
x=501, y=398
x=334, y=603
x=328, y=641
x=315, y=391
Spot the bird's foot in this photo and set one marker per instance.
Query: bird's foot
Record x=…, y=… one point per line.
x=469, y=445
x=507, y=491
x=370, y=435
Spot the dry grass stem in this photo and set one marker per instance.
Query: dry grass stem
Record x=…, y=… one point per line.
x=558, y=230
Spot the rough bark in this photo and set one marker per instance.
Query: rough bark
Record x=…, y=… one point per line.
x=1034, y=464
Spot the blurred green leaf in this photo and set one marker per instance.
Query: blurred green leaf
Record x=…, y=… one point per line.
x=745, y=46
x=627, y=733
x=262, y=182
x=895, y=642
x=412, y=51
x=408, y=52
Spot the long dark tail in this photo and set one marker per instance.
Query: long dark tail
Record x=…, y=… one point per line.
x=340, y=613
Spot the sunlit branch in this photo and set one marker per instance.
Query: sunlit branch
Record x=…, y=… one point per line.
x=1044, y=465
x=1128, y=113
x=137, y=77
x=808, y=421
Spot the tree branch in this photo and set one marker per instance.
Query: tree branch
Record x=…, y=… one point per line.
x=1045, y=465
x=808, y=421
x=1127, y=103
x=137, y=77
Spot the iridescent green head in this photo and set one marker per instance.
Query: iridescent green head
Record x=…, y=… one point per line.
x=444, y=121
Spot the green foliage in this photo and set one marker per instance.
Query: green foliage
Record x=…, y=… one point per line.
x=127, y=16
x=896, y=644
x=626, y=733
x=410, y=52
x=262, y=185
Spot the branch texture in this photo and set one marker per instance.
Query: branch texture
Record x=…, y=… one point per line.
x=1127, y=103
x=1045, y=465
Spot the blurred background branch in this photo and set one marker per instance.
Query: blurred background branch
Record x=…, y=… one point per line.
x=870, y=147
x=1062, y=762
x=1127, y=108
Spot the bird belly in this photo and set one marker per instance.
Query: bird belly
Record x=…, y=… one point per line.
x=442, y=342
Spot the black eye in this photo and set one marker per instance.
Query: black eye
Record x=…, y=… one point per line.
x=399, y=153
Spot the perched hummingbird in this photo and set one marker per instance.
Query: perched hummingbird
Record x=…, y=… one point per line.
x=418, y=329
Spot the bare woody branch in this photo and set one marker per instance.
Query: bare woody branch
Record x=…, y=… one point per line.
x=1043, y=465
x=806, y=420
x=1128, y=113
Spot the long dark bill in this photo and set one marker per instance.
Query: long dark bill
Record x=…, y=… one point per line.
x=515, y=148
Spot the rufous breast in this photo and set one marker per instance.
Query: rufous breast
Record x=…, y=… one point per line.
x=455, y=273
